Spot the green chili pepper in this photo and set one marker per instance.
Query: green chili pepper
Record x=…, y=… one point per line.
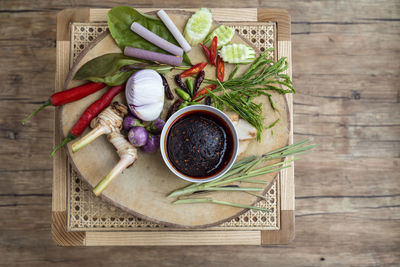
x=190, y=85
x=183, y=105
x=182, y=94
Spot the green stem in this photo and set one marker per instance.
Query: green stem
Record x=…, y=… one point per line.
x=212, y=201
x=45, y=104
x=67, y=139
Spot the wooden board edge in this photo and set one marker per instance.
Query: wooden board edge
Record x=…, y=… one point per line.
x=59, y=233
x=60, y=236
x=282, y=19
x=283, y=236
x=173, y=238
x=219, y=14
x=65, y=17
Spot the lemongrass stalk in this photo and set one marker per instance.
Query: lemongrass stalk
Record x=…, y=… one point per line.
x=237, y=167
x=240, y=178
x=128, y=155
x=218, y=202
x=202, y=187
x=254, y=181
x=257, y=195
x=232, y=189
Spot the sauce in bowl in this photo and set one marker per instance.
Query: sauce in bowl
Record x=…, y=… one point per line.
x=199, y=144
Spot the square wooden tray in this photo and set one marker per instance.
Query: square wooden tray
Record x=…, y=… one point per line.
x=97, y=238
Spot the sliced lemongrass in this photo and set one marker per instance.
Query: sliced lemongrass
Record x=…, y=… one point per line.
x=174, y=30
x=218, y=202
x=155, y=39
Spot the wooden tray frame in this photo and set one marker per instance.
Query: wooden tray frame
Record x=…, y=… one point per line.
x=124, y=238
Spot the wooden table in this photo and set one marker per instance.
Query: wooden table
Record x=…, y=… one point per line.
x=346, y=68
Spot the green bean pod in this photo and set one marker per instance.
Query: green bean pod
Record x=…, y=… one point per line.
x=182, y=94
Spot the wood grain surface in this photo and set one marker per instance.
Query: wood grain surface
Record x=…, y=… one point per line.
x=346, y=68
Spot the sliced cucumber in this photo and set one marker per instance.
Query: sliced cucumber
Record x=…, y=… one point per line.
x=198, y=26
x=237, y=53
x=224, y=34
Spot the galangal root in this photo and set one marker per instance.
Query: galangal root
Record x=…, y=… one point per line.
x=110, y=122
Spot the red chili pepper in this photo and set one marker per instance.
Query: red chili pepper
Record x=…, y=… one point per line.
x=68, y=96
x=207, y=52
x=213, y=50
x=193, y=70
x=91, y=112
x=220, y=69
x=203, y=91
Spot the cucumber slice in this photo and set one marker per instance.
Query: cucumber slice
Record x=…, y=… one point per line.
x=237, y=53
x=224, y=34
x=198, y=26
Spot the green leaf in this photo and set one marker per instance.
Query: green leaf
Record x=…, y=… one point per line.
x=118, y=78
x=105, y=65
x=120, y=19
x=115, y=68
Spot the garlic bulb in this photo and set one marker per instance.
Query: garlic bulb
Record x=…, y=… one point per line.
x=145, y=94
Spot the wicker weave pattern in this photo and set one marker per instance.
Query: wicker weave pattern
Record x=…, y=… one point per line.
x=89, y=213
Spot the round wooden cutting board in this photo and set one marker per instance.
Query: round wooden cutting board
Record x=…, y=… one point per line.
x=142, y=189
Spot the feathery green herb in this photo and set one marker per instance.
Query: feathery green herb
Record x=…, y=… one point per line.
x=239, y=92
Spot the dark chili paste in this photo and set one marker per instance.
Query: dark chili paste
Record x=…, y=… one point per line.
x=199, y=144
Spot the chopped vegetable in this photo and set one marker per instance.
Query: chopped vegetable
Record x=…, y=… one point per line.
x=213, y=50
x=91, y=112
x=120, y=19
x=131, y=121
x=68, y=96
x=190, y=85
x=238, y=53
x=224, y=34
x=193, y=70
x=180, y=83
x=153, y=143
x=156, y=126
x=174, y=30
x=108, y=121
x=156, y=40
x=138, y=136
x=145, y=94
x=128, y=155
x=167, y=90
x=199, y=80
x=204, y=91
x=153, y=56
x=198, y=26
x=220, y=69
x=182, y=94
x=207, y=52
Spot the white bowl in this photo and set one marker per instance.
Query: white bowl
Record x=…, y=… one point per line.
x=174, y=118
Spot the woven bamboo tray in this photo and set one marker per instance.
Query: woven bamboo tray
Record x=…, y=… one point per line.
x=79, y=218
